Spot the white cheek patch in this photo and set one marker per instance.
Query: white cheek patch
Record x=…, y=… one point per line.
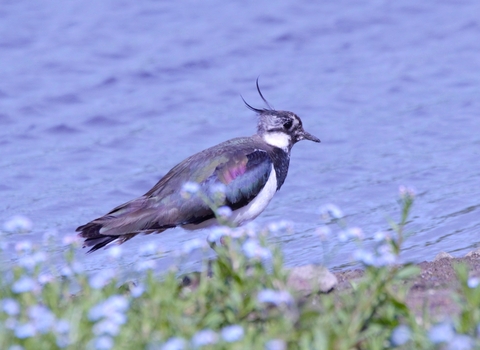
x=277, y=139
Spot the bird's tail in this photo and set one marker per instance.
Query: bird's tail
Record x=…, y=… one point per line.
x=96, y=240
x=121, y=224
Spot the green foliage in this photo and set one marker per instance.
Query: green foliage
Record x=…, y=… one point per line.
x=240, y=300
x=469, y=298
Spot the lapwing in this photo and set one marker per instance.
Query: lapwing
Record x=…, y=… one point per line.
x=248, y=169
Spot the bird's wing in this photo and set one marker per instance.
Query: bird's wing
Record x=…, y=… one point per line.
x=240, y=174
x=238, y=165
x=234, y=183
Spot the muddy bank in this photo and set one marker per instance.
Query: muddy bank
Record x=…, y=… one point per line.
x=433, y=288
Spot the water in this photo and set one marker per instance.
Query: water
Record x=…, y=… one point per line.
x=98, y=100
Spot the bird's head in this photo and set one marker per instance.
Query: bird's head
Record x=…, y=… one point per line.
x=280, y=129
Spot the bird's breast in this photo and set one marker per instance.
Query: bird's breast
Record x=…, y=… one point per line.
x=249, y=212
x=259, y=203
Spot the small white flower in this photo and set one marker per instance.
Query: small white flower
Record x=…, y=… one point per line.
x=216, y=234
x=352, y=232
x=137, y=290
x=174, y=344
x=66, y=271
x=42, y=317
x=150, y=248
x=97, y=312
x=253, y=250
x=27, y=262
x=441, y=333
x=473, y=282
x=118, y=303
x=40, y=257
x=355, y=232
x=103, y=342
x=45, y=278
x=16, y=347
x=232, y=333
x=106, y=327
x=406, y=192
x=31, y=261
x=365, y=257
x=190, y=187
x=112, y=308
x=71, y=240
x=204, y=337
x=400, y=335
x=18, y=224
x=461, y=342
x=218, y=188
x=24, y=247
x=381, y=236
x=282, y=225
x=343, y=236
x=117, y=317
x=382, y=256
x=224, y=212
x=271, y=296
x=10, y=306
x=331, y=212
x=145, y=265
x=243, y=231
x=385, y=255
x=25, y=330
x=276, y=344
x=23, y=285
x=62, y=327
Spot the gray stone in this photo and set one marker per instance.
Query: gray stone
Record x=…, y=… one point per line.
x=474, y=254
x=442, y=255
x=312, y=279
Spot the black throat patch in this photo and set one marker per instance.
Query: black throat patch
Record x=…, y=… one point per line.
x=281, y=161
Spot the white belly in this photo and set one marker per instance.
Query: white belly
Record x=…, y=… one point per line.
x=250, y=211
x=258, y=204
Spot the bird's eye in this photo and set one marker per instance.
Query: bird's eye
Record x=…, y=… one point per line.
x=288, y=125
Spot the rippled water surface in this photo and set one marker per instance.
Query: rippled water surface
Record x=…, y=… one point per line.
x=98, y=100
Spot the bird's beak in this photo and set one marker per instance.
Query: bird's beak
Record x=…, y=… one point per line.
x=307, y=136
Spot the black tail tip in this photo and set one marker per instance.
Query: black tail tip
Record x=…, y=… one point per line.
x=97, y=242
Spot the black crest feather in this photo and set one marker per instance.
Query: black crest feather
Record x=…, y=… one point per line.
x=259, y=110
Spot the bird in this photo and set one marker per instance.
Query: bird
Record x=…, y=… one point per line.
x=248, y=170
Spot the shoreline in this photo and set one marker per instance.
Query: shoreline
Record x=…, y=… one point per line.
x=434, y=289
